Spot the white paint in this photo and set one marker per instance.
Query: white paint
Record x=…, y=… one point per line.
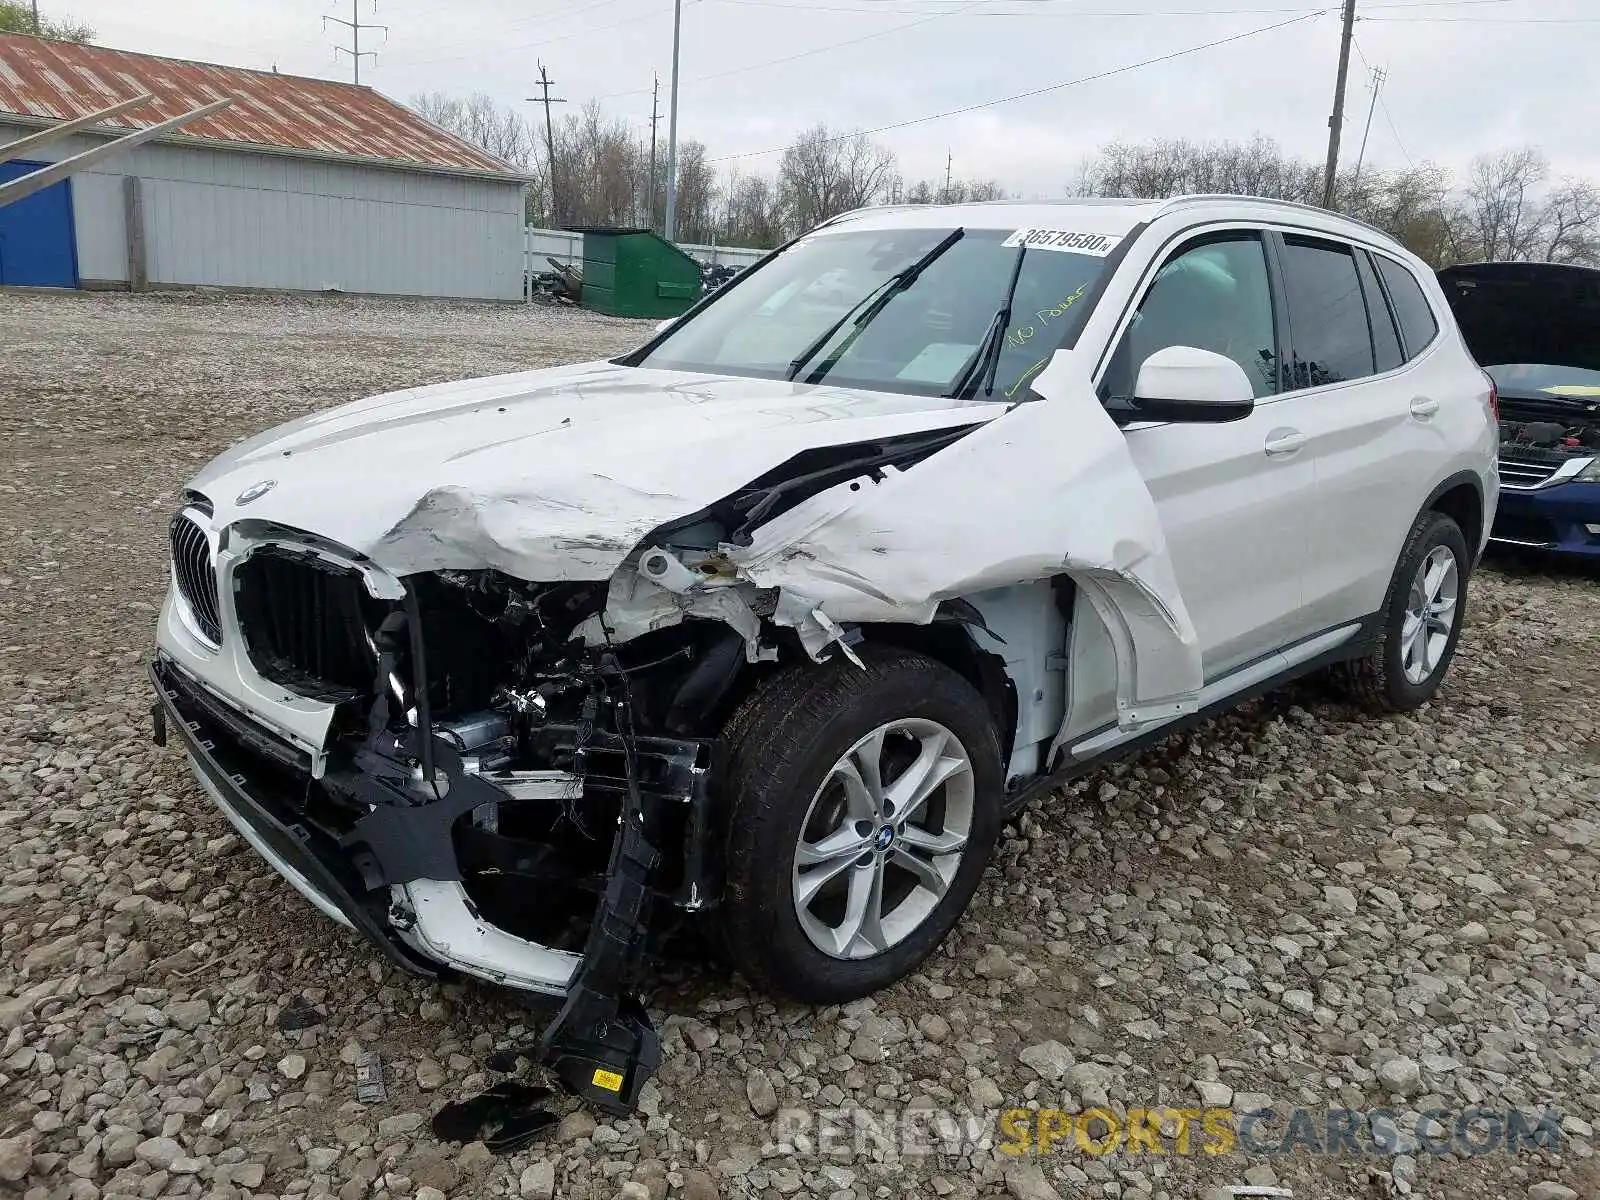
x=1189, y=373
x=1048, y=488
x=546, y=475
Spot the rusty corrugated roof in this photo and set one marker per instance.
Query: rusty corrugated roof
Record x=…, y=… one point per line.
x=58, y=80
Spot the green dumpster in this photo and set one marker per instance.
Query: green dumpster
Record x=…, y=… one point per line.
x=635, y=273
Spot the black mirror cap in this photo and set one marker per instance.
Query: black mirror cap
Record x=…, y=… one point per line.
x=1204, y=412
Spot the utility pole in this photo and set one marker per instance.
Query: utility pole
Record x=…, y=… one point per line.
x=547, y=100
x=36, y=26
x=949, y=161
x=1378, y=76
x=1336, y=120
x=355, y=26
x=669, y=228
x=655, y=117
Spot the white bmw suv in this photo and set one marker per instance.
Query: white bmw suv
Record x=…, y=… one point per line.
x=768, y=624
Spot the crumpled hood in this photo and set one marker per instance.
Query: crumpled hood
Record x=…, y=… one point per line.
x=547, y=475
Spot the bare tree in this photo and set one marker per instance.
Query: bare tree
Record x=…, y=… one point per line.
x=822, y=175
x=1412, y=205
x=1166, y=167
x=600, y=169
x=478, y=119
x=1572, y=223
x=697, y=194
x=751, y=212
x=1503, y=218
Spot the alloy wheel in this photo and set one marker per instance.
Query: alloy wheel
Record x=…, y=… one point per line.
x=1430, y=614
x=883, y=838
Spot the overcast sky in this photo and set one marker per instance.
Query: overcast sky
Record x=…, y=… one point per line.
x=1463, y=75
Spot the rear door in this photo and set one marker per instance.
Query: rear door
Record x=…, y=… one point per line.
x=1367, y=405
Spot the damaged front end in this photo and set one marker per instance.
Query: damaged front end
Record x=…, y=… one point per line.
x=481, y=722
x=494, y=798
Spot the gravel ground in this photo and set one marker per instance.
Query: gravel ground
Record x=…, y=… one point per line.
x=1293, y=905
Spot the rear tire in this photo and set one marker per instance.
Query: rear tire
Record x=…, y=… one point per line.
x=1421, y=622
x=816, y=845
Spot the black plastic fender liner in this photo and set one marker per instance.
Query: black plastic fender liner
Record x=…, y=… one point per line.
x=601, y=1044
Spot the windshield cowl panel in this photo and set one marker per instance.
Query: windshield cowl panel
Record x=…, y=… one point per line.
x=898, y=310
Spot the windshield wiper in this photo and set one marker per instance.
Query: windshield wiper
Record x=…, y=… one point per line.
x=869, y=306
x=985, y=359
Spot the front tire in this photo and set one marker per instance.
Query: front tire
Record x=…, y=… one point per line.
x=1421, y=622
x=864, y=805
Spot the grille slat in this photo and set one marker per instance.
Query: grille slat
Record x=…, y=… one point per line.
x=196, y=575
x=1523, y=471
x=304, y=622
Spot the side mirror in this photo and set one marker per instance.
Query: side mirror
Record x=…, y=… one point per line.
x=666, y=325
x=1185, y=383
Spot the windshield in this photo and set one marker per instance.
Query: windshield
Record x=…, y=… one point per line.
x=1543, y=377
x=851, y=308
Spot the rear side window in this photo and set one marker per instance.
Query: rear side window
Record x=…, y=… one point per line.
x=1418, y=326
x=1385, y=341
x=1327, y=316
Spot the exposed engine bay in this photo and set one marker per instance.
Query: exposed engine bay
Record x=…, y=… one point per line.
x=1558, y=438
x=477, y=718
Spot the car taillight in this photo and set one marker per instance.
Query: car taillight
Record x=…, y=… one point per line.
x=1494, y=396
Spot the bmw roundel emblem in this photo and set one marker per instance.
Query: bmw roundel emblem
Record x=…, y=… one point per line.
x=255, y=491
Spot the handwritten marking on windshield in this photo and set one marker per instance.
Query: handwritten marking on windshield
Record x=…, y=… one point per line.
x=1023, y=334
x=1024, y=377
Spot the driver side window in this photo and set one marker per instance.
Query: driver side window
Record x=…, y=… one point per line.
x=1212, y=294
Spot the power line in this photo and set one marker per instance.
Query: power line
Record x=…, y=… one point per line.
x=1336, y=119
x=1383, y=107
x=355, y=26
x=1054, y=87
x=547, y=100
x=1490, y=20
x=974, y=7
x=773, y=62
x=522, y=26
x=1376, y=86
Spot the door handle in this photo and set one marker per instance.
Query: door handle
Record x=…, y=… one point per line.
x=1423, y=407
x=1283, y=442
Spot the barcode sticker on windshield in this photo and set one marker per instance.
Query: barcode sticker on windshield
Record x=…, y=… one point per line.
x=1097, y=244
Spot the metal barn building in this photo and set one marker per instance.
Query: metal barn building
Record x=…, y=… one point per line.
x=299, y=184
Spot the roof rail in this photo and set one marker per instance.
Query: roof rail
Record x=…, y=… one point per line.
x=1176, y=202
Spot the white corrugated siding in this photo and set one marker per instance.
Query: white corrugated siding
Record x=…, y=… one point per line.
x=243, y=219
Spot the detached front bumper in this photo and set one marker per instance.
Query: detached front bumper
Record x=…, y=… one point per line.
x=1560, y=519
x=225, y=751
x=367, y=877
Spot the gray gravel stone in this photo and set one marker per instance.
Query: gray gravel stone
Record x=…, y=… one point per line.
x=1049, y=1060
x=758, y=1090
x=1025, y=1181
x=1401, y=1075
x=16, y=1156
x=159, y=1152
x=1430, y=881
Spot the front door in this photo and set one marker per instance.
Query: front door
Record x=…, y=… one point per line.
x=1235, y=499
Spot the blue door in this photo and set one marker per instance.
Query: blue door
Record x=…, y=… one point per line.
x=37, y=247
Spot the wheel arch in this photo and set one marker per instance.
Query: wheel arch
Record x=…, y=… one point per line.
x=950, y=641
x=1460, y=497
